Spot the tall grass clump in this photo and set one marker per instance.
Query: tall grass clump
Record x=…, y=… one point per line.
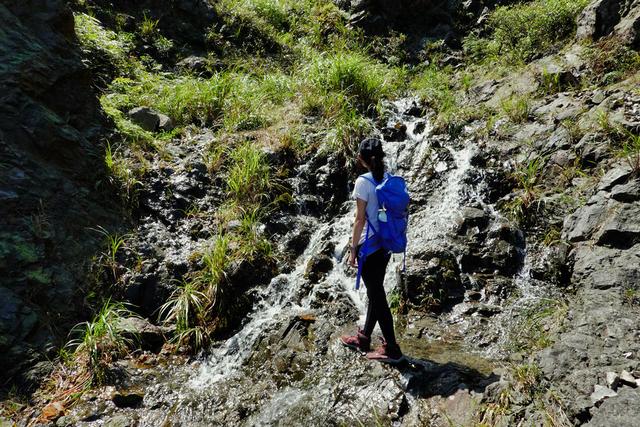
x=101, y=340
x=524, y=31
x=186, y=308
x=364, y=81
x=249, y=175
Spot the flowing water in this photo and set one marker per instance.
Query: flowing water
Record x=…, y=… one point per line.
x=238, y=375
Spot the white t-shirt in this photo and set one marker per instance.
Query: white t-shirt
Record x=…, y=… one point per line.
x=365, y=190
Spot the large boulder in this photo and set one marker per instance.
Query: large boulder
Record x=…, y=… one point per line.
x=606, y=17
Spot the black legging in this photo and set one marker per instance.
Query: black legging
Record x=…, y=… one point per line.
x=373, y=271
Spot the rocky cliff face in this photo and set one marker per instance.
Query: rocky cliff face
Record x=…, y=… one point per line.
x=50, y=123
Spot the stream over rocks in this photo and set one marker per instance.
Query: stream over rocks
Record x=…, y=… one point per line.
x=466, y=264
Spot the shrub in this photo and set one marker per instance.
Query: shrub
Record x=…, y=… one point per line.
x=610, y=60
x=526, y=30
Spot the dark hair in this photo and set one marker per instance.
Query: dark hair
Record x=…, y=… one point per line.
x=371, y=152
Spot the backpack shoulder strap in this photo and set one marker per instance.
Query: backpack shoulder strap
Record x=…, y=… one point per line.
x=369, y=178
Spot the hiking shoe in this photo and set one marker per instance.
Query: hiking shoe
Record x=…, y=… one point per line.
x=387, y=353
x=359, y=341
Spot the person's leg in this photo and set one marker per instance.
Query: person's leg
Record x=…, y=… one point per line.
x=373, y=272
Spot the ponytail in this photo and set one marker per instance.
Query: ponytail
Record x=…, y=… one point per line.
x=377, y=168
x=371, y=153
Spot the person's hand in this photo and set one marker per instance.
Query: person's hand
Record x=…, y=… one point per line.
x=352, y=258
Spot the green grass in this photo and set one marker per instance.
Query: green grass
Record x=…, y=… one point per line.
x=94, y=37
x=101, y=340
x=148, y=26
x=435, y=87
x=517, y=108
x=524, y=31
x=186, y=309
x=113, y=244
x=362, y=80
x=121, y=173
x=538, y=324
x=526, y=176
x=249, y=177
x=630, y=151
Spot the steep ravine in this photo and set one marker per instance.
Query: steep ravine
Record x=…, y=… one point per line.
x=519, y=305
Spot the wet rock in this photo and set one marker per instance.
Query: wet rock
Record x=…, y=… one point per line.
x=317, y=267
x=150, y=337
x=627, y=379
x=126, y=399
x=470, y=218
x=600, y=393
x=120, y=421
x=622, y=228
x=432, y=280
x=598, y=19
x=620, y=410
x=414, y=110
x=496, y=252
x=397, y=132
x=552, y=265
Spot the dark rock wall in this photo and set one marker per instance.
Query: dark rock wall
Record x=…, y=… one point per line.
x=50, y=165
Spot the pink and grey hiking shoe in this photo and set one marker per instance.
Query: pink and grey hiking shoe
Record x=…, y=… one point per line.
x=387, y=353
x=359, y=341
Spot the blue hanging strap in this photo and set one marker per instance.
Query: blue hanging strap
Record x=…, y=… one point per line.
x=361, y=257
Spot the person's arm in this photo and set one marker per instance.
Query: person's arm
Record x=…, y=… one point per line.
x=358, y=226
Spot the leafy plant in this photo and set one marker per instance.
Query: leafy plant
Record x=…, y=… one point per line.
x=148, y=26
x=186, y=308
x=517, y=108
x=101, y=339
x=631, y=152
x=114, y=242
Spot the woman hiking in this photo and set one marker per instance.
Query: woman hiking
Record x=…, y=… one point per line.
x=374, y=262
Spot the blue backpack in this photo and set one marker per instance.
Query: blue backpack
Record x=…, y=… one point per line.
x=393, y=204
